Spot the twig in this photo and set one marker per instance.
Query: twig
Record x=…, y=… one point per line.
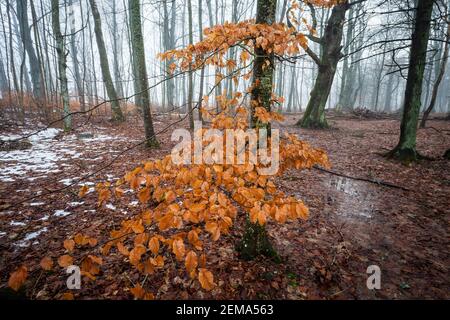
x=379, y=182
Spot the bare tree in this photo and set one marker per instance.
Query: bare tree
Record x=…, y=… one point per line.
x=117, y=114
x=61, y=51
x=141, y=71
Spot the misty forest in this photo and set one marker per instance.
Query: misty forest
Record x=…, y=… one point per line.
x=349, y=99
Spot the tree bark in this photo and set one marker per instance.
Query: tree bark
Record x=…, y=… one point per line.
x=74, y=51
x=330, y=48
x=117, y=114
x=406, y=147
x=61, y=51
x=190, y=80
x=438, y=79
x=36, y=76
x=137, y=42
x=255, y=240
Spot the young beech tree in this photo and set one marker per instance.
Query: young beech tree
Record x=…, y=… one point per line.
x=183, y=206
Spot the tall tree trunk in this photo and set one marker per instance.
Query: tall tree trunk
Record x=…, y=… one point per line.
x=190, y=80
x=438, y=80
x=406, y=147
x=36, y=77
x=255, y=240
x=137, y=42
x=115, y=47
x=202, y=72
x=61, y=51
x=74, y=51
x=330, y=47
x=117, y=114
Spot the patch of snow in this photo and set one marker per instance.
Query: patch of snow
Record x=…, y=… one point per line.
x=44, y=218
x=75, y=203
x=17, y=223
x=110, y=206
x=35, y=204
x=46, y=134
x=30, y=236
x=2, y=233
x=134, y=203
x=61, y=213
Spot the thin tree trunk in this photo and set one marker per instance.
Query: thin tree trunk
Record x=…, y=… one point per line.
x=36, y=77
x=137, y=42
x=61, y=51
x=255, y=239
x=438, y=79
x=202, y=72
x=74, y=51
x=190, y=80
x=117, y=114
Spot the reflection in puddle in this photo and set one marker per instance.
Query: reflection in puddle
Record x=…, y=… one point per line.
x=353, y=198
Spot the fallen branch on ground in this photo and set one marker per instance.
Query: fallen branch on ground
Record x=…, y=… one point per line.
x=379, y=182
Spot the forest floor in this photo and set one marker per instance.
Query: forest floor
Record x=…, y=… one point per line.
x=352, y=224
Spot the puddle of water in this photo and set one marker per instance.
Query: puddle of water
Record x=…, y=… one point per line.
x=353, y=198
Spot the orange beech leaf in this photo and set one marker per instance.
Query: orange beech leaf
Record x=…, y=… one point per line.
x=138, y=292
x=17, y=278
x=65, y=261
x=97, y=260
x=178, y=248
x=137, y=226
x=46, y=263
x=197, y=207
x=122, y=249
x=191, y=263
x=67, y=296
x=206, y=279
x=144, y=195
x=83, y=190
x=213, y=228
x=136, y=254
x=118, y=192
x=92, y=242
x=69, y=244
x=153, y=245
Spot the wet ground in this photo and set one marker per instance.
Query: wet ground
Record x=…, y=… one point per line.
x=353, y=224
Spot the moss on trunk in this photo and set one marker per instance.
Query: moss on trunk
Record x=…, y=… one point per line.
x=405, y=150
x=255, y=242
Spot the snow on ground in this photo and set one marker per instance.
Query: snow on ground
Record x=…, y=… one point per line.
x=25, y=242
x=47, y=154
x=17, y=223
x=61, y=213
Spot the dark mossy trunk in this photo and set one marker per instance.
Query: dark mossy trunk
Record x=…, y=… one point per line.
x=255, y=240
x=314, y=116
x=330, y=44
x=405, y=150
